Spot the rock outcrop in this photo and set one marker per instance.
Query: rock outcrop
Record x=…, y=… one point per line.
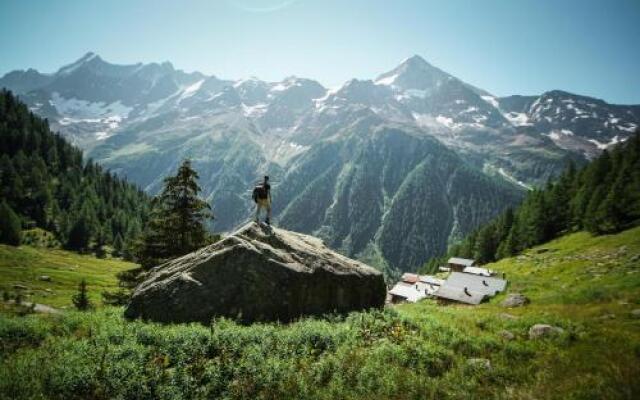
x=515, y=300
x=539, y=331
x=257, y=273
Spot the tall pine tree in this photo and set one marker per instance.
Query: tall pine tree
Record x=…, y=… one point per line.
x=177, y=224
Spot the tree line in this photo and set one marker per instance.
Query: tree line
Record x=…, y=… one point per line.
x=45, y=183
x=602, y=198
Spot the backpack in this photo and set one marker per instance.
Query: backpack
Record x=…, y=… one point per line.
x=259, y=192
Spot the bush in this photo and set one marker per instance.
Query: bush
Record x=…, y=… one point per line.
x=81, y=299
x=10, y=226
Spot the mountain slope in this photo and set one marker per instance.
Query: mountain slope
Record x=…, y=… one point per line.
x=387, y=190
x=49, y=185
x=603, y=197
x=140, y=120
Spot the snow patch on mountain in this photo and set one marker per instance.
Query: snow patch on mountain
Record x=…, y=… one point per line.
x=191, y=90
x=446, y=121
x=517, y=119
x=491, y=100
x=86, y=109
x=630, y=127
x=286, y=84
x=255, y=111
x=387, y=81
x=556, y=135
x=510, y=178
x=102, y=135
x=602, y=146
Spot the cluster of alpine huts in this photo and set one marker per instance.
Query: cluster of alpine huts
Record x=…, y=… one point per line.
x=461, y=281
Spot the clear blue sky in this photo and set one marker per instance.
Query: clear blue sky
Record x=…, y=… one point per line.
x=504, y=46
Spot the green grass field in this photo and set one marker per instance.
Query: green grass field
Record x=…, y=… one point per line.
x=25, y=265
x=586, y=285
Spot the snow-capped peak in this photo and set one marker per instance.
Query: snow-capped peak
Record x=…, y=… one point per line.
x=415, y=61
x=413, y=73
x=67, y=69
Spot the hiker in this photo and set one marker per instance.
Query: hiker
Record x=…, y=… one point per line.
x=262, y=198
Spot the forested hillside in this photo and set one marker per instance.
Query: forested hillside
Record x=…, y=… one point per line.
x=45, y=183
x=603, y=197
x=388, y=195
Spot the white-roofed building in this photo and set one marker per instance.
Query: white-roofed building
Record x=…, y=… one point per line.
x=432, y=280
x=456, y=293
x=478, y=271
x=458, y=264
x=407, y=292
x=469, y=288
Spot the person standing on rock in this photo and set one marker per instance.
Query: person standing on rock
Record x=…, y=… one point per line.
x=262, y=198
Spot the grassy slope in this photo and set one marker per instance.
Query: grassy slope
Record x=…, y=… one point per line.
x=588, y=286
x=24, y=265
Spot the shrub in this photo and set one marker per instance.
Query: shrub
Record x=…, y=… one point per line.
x=10, y=226
x=81, y=299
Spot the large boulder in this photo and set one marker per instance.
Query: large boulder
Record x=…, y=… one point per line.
x=257, y=273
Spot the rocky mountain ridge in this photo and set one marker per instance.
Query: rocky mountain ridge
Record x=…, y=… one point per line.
x=415, y=154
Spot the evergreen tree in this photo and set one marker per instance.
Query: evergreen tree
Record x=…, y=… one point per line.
x=177, y=224
x=10, y=226
x=486, y=244
x=79, y=236
x=118, y=246
x=508, y=246
x=81, y=299
x=99, y=243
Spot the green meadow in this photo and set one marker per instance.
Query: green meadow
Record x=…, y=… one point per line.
x=587, y=286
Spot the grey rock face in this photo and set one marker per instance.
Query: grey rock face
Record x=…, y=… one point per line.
x=257, y=274
x=507, y=335
x=515, y=300
x=539, y=331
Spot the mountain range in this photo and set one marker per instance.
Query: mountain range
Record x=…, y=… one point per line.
x=390, y=170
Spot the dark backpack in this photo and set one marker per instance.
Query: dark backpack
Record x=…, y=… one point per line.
x=259, y=192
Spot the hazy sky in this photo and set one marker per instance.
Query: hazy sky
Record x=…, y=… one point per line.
x=504, y=46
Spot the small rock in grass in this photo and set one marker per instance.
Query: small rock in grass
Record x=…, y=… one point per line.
x=539, y=331
x=20, y=287
x=45, y=278
x=635, y=313
x=635, y=258
x=506, y=335
x=607, y=316
x=507, y=316
x=515, y=300
x=480, y=363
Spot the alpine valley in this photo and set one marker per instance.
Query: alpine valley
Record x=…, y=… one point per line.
x=390, y=170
